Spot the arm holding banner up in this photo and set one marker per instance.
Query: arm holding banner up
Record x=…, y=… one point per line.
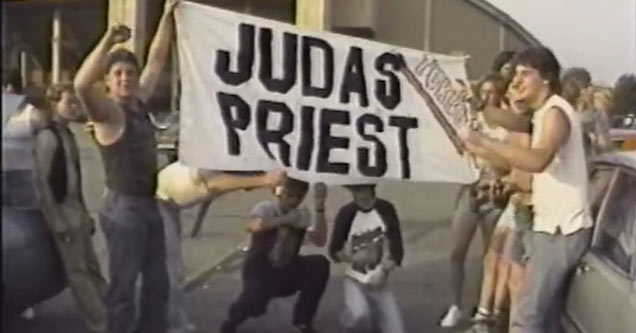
x=158, y=53
x=507, y=119
x=317, y=233
x=99, y=108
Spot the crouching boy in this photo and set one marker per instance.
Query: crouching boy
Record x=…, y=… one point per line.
x=273, y=268
x=367, y=237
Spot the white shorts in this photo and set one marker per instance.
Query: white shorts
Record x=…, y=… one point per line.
x=507, y=218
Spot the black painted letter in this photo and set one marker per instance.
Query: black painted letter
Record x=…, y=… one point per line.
x=380, y=151
x=245, y=58
x=391, y=97
x=306, y=147
x=233, y=121
x=266, y=136
x=327, y=51
x=290, y=46
x=404, y=124
x=353, y=79
x=328, y=142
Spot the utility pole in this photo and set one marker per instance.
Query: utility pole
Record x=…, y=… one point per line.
x=56, y=46
x=313, y=14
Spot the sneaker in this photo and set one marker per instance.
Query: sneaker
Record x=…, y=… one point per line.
x=482, y=317
x=479, y=328
x=452, y=317
x=304, y=329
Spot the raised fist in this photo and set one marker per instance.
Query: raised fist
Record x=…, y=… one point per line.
x=119, y=33
x=275, y=178
x=320, y=194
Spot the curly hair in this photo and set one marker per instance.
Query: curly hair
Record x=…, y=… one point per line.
x=543, y=60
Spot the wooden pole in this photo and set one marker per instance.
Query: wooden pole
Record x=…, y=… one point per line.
x=313, y=14
x=133, y=14
x=56, y=46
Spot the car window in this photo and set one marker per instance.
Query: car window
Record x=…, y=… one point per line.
x=600, y=177
x=615, y=240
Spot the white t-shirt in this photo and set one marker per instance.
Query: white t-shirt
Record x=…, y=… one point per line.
x=559, y=193
x=367, y=234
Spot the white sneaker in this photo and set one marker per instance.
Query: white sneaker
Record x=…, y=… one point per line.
x=452, y=317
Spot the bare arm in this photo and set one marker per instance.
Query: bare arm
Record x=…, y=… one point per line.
x=159, y=50
x=98, y=108
x=317, y=233
x=219, y=183
x=556, y=130
x=507, y=119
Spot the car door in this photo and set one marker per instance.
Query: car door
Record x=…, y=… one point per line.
x=601, y=297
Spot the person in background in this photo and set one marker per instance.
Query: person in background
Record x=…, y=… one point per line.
x=561, y=230
x=59, y=181
x=125, y=136
x=503, y=263
x=180, y=187
x=367, y=238
x=473, y=207
x=502, y=65
x=273, y=267
x=578, y=90
x=625, y=95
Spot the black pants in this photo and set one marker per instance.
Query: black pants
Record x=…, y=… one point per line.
x=307, y=275
x=136, y=245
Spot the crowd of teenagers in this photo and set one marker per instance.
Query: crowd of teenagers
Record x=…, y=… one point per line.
x=531, y=132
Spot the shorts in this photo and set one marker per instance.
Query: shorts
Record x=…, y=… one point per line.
x=519, y=244
x=507, y=218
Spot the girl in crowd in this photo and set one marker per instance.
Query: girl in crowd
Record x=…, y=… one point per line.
x=473, y=207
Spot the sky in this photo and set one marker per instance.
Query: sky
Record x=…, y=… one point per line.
x=599, y=35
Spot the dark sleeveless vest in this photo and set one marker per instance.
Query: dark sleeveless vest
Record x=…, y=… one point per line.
x=58, y=174
x=130, y=163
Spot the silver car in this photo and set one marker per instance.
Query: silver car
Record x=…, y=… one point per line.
x=602, y=294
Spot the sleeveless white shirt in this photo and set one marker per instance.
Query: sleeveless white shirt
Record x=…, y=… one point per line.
x=559, y=193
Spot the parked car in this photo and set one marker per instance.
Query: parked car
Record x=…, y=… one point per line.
x=624, y=138
x=602, y=293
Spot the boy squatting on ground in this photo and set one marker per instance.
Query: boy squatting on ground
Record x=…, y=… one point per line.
x=367, y=237
x=273, y=268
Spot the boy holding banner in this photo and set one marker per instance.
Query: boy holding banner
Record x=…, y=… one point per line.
x=273, y=268
x=367, y=237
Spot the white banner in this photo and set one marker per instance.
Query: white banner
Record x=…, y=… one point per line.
x=259, y=94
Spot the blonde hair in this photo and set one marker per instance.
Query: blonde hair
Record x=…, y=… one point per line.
x=604, y=96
